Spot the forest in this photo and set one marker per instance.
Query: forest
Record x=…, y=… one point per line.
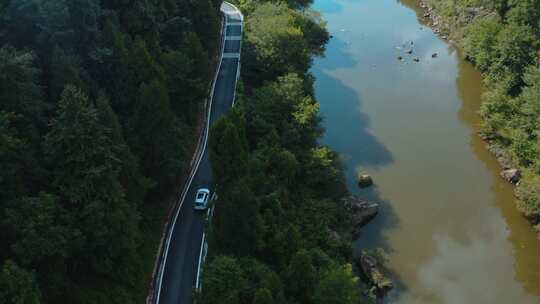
x=280, y=233
x=100, y=106
x=502, y=38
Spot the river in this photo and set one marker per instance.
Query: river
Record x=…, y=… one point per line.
x=448, y=222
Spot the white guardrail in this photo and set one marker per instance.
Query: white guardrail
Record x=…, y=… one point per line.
x=155, y=290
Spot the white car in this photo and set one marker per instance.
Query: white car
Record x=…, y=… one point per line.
x=201, y=199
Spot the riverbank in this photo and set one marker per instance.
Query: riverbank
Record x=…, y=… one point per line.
x=513, y=146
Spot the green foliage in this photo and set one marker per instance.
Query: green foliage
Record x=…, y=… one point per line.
x=99, y=103
x=279, y=40
x=301, y=276
x=284, y=107
x=263, y=296
x=11, y=149
x=41, y=229
x=157, y=135
x=528, y=192
x=224, y=281
x=338, y=286
x=86, y=176
x=18, y=286
x=228, y=151
x=20, y=92
x=236, y=222
x=480, y=42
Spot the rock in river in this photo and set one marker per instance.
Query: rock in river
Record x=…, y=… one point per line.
x=511, y=175
x=364, y=180
x=374, y=274
x=362, y=212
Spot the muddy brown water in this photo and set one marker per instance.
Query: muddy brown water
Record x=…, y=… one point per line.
x=448, y=222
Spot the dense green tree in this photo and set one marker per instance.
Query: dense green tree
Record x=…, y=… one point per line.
x=18, y=286
x=529, y=194
x=338, y=286
x=64, y=70
x=524, y=12
x=156, y=135
x=86, y=175
x=274, y=44
x=236, y=220
x=131, y=177
x=261, y=277
x=301, y=276
x=120, y=54
x=20, y=92
x=283, y=106
x=206, y=22
x=224, y=281
x=263, y=296
x=481, y=40
x=228, y=151
x=513, y=54
x=41, y=229
x=11, y=149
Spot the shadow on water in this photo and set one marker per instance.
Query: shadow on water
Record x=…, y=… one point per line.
x=347, y=127
x=329, y=7
x=373, y=235
x=335, y=56
x=348, y=133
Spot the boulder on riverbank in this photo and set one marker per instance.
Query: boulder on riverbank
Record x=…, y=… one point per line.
x=511, y=175
x=374, y=274
x=362, y=212
x=364, y=180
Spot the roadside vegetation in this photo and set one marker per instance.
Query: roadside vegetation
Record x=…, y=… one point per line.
x=502, y=38
x=99, y=107
x=280, y=233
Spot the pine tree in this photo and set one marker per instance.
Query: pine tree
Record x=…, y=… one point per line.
x=86, y=177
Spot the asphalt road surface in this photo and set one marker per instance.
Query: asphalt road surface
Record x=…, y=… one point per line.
x=180, y=270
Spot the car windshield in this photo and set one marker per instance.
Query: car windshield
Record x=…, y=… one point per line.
x=200, y=195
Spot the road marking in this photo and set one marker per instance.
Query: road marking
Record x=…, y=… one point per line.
x=197, y=281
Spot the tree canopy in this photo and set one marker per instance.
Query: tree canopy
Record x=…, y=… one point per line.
x=99, y=105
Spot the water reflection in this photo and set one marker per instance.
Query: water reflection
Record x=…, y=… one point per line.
x=447, y=221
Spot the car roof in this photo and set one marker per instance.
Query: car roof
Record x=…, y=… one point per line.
x=203, y=190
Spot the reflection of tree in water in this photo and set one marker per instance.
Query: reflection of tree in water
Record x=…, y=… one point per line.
x=347, y=132
x=470, y=89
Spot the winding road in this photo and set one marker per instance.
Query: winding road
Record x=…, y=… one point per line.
x=178, y=269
